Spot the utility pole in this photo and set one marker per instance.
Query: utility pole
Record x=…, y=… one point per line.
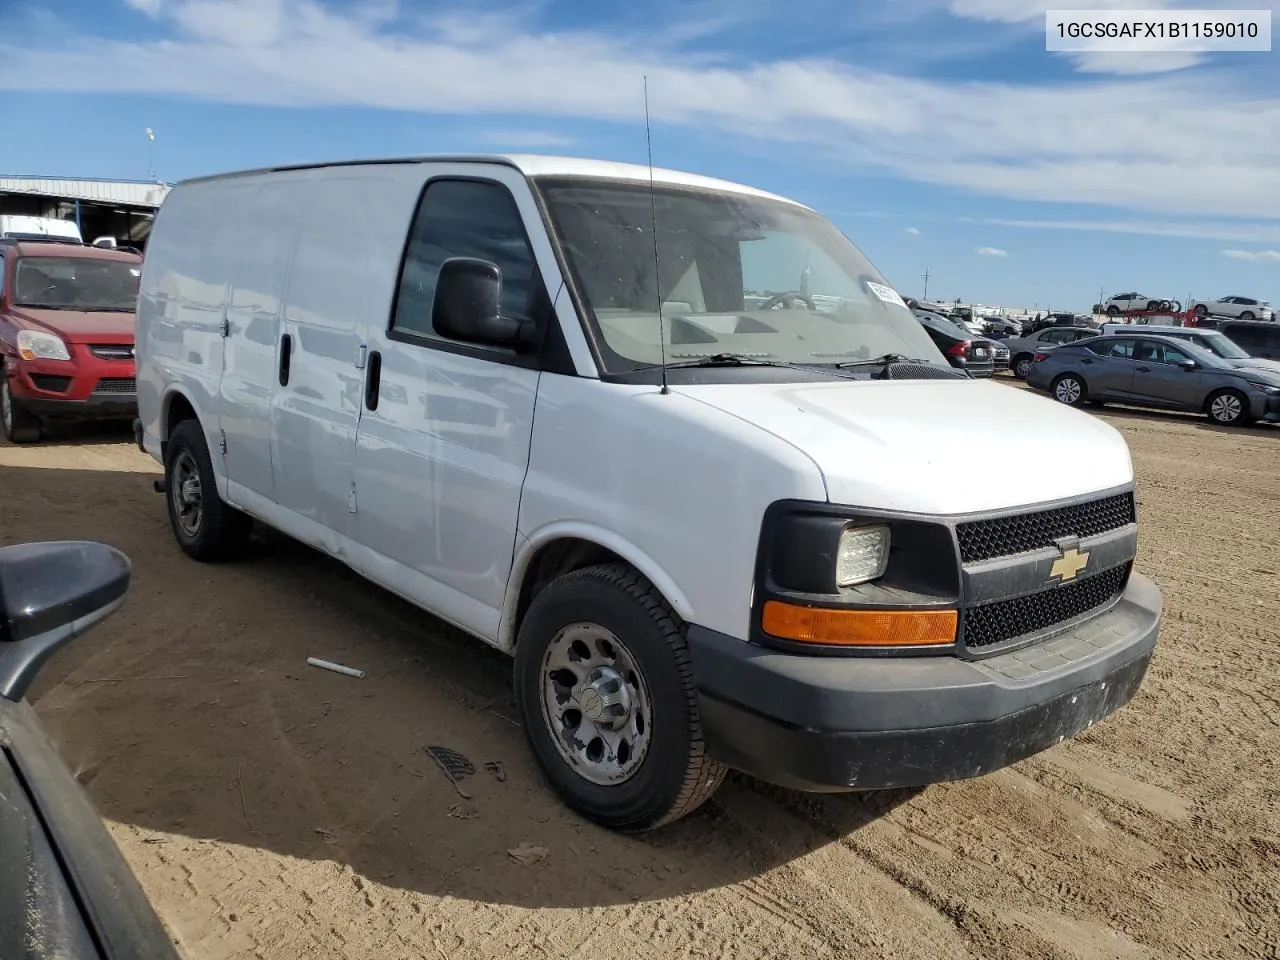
x=151, y=154
x=926, y=284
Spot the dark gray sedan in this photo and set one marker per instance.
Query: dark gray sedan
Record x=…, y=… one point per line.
x=1161, y=372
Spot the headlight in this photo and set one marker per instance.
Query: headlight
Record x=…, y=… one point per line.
x=862, y=555
x=36, y=345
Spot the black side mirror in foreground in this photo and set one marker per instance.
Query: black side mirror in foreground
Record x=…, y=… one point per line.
x=50, y=593
x=468, y=306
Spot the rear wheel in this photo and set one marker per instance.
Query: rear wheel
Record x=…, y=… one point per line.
x=1022, y=365
x=1069, y=389
x=1228, y=408
x=1113, y=310
x=20, y=424
x=205, y=526
x=1153, y=304
x=605, y=689
x=1201, y=310
x=1247, y=315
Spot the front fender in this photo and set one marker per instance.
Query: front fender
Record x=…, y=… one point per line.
x=528, y=547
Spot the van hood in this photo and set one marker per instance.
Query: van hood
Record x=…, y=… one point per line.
x=933, y=446
x=78, y=326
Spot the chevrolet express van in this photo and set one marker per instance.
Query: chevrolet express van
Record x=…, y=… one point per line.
x=672, y=443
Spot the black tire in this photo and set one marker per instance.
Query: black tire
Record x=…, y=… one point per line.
x=216, y=531
x=1063, y=393
x=1021, y=365
x=1153, y=304
x=674, y=775
x=1221, y=410
x=20, y=424
x=1201, y=310
x=1113, y=310
x=1248, y=315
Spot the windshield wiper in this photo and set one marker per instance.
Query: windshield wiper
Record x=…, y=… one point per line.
x=882, y=360
x=741, y=360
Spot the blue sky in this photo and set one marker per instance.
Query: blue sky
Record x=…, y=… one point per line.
x=936, y=133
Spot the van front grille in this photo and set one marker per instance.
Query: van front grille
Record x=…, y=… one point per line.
x=1005, y=536
x=992, y=623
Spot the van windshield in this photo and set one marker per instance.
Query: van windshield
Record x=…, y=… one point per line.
x=735, y=274
x=77, y=283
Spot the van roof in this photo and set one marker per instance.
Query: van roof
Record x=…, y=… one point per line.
x=79, y=251
x=536, y=165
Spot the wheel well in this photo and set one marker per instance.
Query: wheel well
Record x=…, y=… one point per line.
x=555, y=559
x=177, y=409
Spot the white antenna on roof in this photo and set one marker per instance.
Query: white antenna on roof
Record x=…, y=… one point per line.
x=657, y=268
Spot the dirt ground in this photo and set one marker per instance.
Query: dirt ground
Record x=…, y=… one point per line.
x=273, y=810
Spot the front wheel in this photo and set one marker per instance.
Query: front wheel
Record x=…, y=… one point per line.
x=1113, y=310
x=1228, y=408
x=1069, y=389
x=1247, y=315
x=1201, y=311
x=605, y=688
x=20, y=425
x=1022, y=365
x=205, y=526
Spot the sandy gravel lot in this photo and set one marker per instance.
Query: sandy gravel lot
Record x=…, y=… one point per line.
x=272, y=810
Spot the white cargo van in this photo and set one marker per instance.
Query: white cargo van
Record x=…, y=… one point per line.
x=714, y=524
x=15, y=227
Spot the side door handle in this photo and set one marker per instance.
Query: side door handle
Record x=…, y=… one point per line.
x=372, y=380
x=1144, y=369
x=286, y=355
x=1086, y=360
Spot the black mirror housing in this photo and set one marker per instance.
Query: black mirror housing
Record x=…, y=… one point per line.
x=50, y=593
x=468, y=307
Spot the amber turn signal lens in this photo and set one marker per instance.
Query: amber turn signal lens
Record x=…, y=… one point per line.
x=859, y=628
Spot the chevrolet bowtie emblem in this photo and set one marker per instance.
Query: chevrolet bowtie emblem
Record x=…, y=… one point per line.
x=1068, y=565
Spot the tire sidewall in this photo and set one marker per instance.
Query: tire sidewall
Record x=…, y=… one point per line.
x=1018, y=364
x=188, y=437
x=656, y=785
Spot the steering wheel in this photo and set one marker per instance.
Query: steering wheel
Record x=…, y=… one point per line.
x=781, y=299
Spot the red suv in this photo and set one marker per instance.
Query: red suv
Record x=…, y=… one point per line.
x=66, y=334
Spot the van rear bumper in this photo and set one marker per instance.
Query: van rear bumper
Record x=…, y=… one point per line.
x=829, y=724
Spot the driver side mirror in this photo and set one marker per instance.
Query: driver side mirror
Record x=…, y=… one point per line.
x=51, y=593
x=1188, y=365
x=468, y=307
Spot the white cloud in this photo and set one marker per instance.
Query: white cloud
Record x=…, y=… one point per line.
x=991, y=252
x=1043, y=142
x=528, y=139
x=1254, y=256
x=1135, y=64
x=914, y=231
x=150, y=7
x=1240, y=232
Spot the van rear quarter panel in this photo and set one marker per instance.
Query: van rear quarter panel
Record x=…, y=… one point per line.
x=182, y=302
x=673, y=485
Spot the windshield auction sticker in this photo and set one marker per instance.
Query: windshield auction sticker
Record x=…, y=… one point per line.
x=887, y=294
x=1158, y=31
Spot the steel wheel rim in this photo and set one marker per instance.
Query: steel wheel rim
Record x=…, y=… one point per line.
x=1226, y=408
x=185, y=494
x=1068, y=390
x=595, y=704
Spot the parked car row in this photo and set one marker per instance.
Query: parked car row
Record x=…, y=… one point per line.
x=1166, y=369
